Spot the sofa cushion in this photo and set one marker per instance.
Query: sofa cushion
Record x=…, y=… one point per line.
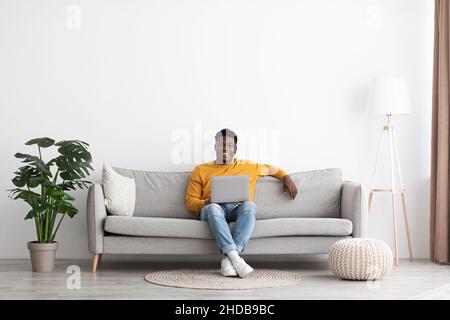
x=189, y=228
x=319, y=196
x=162, y=194
x=119, y=192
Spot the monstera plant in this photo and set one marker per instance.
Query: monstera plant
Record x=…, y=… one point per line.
x=44, y=186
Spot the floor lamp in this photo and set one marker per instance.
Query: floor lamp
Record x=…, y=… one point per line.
x=389, y=96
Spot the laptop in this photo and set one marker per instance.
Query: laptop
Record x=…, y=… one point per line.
x=228, y=189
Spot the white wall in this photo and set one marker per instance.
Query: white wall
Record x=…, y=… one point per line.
x=137, y=72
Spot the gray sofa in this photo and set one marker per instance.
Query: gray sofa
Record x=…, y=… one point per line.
x=326, y=209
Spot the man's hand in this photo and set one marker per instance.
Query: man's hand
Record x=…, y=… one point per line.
x=289, y=185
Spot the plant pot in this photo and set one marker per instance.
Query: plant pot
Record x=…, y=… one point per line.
x=42, y=256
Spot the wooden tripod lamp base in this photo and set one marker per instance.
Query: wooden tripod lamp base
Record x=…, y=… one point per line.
x=388, y=132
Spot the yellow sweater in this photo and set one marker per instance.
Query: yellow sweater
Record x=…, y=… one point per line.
x=199, y=189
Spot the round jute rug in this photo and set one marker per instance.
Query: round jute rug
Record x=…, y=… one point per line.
x=213, y=280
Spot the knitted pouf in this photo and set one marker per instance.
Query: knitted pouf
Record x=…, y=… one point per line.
x=360, y=259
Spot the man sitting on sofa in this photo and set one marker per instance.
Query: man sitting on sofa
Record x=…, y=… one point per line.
x=198, y=195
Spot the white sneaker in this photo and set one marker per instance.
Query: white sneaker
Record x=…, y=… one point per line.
x=227, y=269
x=241, y=267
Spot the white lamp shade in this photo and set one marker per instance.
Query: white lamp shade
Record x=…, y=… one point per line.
x=389, y=96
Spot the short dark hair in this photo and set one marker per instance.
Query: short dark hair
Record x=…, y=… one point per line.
x=227, y=133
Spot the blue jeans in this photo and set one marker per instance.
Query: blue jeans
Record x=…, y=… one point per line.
x=218, y=216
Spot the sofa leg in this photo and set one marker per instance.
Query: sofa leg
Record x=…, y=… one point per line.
x=95, y=260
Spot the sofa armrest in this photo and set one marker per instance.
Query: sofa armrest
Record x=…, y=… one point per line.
x=96, y=214
x=353, y=207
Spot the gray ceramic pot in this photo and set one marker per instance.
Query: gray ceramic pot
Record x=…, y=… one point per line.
x=42, y=256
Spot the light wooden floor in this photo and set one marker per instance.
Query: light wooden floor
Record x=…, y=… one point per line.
x=421, y=279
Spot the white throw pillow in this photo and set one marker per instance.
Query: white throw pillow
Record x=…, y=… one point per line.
x=119, y=191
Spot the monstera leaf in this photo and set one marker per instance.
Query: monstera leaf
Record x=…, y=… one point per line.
x=73, y=185
x=35, y=162
x=75, y=161
x=41, y=142
x=28, y=176
x=57, y=194
x=67, y=208
x=30, y=197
